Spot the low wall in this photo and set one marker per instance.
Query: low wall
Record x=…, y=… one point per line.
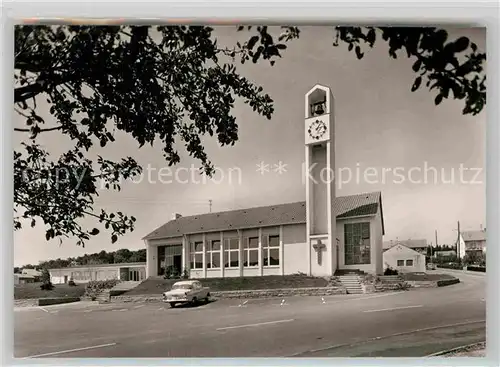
x=284, y=292
x=260, y=293
x=445, y=282
x=56, y=301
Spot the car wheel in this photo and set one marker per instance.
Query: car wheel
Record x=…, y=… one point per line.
x=194, y=301
x=207, y=298
x=172, y=304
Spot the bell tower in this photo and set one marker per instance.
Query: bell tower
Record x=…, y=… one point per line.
x=320, y=181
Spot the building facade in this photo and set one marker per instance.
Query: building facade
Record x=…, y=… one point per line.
x=24, y=278
x=404, y=259
x=472, y=241
x=318, y=236
x=87, y=273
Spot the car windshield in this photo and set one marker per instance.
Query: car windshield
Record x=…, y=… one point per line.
x=182, y=286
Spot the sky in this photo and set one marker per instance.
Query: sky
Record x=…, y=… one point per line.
x=379, y=124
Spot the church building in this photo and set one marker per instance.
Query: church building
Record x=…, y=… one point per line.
x=318, y=236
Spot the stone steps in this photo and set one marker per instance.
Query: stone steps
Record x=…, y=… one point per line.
x=351, y=284
x=104, y=296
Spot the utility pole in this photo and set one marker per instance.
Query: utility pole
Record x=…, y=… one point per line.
x=210, y=204
x=458, y=242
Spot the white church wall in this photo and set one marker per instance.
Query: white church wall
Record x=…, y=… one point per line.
x=295, y=249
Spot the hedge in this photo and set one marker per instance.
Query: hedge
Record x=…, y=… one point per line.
x=450, y=266
x=477, y=268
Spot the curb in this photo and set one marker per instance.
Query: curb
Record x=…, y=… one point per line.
x=457, y=349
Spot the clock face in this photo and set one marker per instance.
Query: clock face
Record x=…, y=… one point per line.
x=317, y=129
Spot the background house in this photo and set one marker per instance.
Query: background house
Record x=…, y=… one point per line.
x=404, y=259
x=23, y=278
x=86, y=273
x=36, y=274
x=472, y=241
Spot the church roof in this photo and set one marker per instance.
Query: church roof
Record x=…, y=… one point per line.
x=265, y=216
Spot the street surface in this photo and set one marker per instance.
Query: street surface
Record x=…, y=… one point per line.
x=401, y=324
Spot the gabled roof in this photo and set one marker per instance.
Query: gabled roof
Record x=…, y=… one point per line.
x=32, y=272
x=400, y=247
x=474, y=235
x=417, y=243
x=273, y=215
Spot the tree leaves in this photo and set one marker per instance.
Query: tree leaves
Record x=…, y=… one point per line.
x=438, y=99
x=436, y=60
x=416, y=84
x=461, y=44
x=169, y=89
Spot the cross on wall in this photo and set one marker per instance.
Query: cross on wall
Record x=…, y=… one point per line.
x=319, y=247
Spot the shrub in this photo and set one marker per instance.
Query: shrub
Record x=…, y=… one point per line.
x=71, y=283
x=477, y=268
x=450, y=266
x=168, y=272
x=185, y=274
x=45, y=277
x=390, y=271
x=47, y=286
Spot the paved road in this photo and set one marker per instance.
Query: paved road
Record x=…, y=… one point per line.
x=412, y=323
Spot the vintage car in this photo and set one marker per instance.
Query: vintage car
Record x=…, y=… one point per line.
x=186, y=291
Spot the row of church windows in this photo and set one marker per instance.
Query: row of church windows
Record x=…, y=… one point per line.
x=231, y=252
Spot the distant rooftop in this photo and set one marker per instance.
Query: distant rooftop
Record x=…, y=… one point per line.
x=417, y=243
x=474, y=235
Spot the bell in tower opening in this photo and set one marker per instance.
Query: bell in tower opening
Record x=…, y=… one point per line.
x=318, y=102
x=318, y=108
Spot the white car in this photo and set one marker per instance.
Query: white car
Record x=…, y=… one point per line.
x=186, y=291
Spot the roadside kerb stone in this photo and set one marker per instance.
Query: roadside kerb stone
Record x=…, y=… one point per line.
x=29, y=302
x=57, y=300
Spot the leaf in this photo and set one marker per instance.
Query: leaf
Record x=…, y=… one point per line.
x=461, y=44
x=251, y=43
x=371, y=36
x=110, y=136
x=438, y=99
x=416, y=84
x=114, y=238
x=359, y=54
x=257, y=54
x=94, y=232
x=416, y=66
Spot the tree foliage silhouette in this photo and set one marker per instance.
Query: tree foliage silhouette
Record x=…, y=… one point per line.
x=168, y=85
